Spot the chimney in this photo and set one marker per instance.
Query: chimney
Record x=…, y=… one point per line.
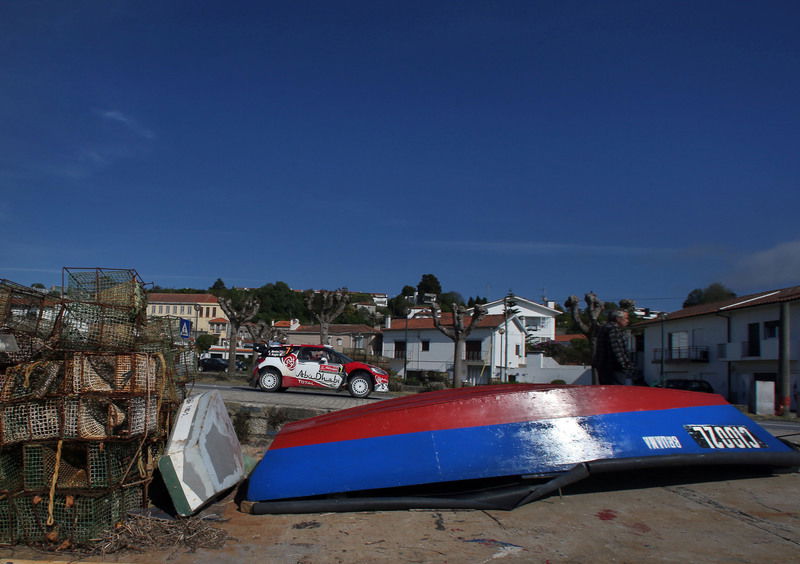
x=388, y=322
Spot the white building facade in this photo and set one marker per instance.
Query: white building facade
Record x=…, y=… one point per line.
x=539, y=320
x=731, y=344
x=495, y=349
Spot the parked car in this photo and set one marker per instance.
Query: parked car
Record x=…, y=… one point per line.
x=212, y=365
x=687, y=384
x=316, y=366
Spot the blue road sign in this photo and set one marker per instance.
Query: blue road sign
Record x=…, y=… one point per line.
x=186, y=328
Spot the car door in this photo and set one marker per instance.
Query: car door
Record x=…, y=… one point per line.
x=316, y=370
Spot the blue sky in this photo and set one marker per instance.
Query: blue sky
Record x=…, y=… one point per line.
x=635, y=149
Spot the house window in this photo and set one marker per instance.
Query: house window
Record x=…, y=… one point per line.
x=771, y=329
x=399, y=349
x=214, y=312
x=678, y=345
x=338, y=341
x=473, y=350
x=160, y=309
x=208, y=312
x=516, y=350
x=426, y=346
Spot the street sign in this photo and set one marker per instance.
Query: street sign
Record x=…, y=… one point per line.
x=186, y=328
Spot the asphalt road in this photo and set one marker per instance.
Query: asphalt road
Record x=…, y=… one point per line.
x=293, y=397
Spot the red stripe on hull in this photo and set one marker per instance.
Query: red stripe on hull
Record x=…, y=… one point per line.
x=480, y=406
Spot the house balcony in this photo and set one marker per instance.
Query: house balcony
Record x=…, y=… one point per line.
x=680, y=354
x=474, y=356
x=763, y=349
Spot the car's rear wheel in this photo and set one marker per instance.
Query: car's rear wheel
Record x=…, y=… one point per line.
x=360, y=385
x=269, y=380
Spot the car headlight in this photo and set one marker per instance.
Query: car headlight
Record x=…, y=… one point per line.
x=380, y=371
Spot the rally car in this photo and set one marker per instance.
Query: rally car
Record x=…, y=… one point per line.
x=315, y=366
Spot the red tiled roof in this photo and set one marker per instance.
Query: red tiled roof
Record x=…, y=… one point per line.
x=283, y=324
x=218, y=320
x=446, y=319
x=341, y=329
x=568, y=338
x=751, y=300
x=182, y=298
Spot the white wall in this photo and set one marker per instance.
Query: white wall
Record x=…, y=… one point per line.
x=543, y=370
x=718, y=371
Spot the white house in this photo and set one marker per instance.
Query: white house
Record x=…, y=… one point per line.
x=539, y=320
x=731, y=344
x=494, y=349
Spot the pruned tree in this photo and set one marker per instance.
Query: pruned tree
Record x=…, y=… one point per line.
x=264, y=332
x=240, y=307
x=326, y=306
x=588, y=321
x=458, y=333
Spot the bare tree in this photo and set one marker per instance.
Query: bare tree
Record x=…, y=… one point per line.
x=240, y=308
x=458, y=333
x=326, y=306
x=594, y=307
x=264, y=332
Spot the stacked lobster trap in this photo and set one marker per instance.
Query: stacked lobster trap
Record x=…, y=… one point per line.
x=89, y=387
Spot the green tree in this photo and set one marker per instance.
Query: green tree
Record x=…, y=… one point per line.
x=204, y=342
x=449, y=300
x=715, y=292
x=429, y=284
x=279, y=301
x=218, y=287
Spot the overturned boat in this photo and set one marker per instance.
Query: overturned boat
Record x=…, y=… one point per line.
x=498, y=447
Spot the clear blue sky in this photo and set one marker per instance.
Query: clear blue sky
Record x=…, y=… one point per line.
x=637, y=149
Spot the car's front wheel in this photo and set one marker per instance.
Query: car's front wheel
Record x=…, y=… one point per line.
x=360, y=385
x=269, y=380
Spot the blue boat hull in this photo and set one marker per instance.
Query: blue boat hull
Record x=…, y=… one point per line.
x=697, y=431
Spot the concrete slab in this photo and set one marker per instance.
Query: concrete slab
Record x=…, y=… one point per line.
x=747, y=520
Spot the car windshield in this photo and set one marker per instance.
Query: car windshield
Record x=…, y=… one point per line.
x=344, y=359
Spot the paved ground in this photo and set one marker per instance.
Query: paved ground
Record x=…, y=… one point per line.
x=655, y=517
x=752, y=520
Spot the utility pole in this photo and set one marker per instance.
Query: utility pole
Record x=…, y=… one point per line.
x=784, y=365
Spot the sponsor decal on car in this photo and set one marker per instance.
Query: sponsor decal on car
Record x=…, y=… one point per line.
x=290, y=361
x=724, y=436
x=659, y=442
x=329, y=368
x=325, y=378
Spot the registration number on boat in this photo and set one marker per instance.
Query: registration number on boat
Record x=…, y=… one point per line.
x=724, y=436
